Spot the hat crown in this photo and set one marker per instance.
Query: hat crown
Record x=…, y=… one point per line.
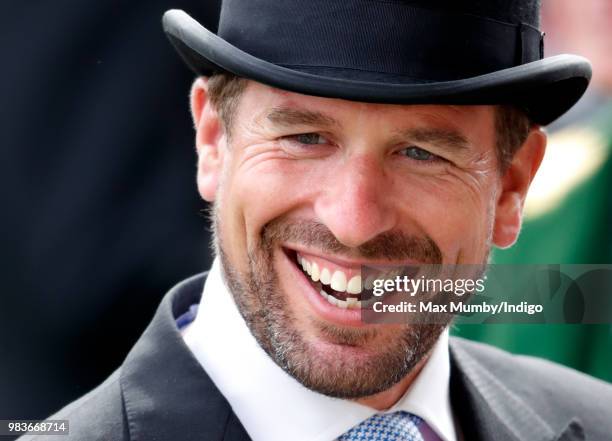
x=510, y=11
x=425, y=41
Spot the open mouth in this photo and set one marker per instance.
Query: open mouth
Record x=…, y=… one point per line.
x=341, y=287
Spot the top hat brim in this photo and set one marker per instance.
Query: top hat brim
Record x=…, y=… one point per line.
x=545, y=89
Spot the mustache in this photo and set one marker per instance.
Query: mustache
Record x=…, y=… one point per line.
x=390, y=245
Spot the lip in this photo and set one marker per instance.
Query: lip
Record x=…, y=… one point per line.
x=347, y=262
x=320, y=306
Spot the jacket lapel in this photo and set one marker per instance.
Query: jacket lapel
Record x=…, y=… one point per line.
x=167, y=395
x=488, y=410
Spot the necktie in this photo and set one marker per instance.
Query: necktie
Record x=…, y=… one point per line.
x=396, y=426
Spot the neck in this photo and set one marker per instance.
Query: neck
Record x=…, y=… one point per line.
x=387, y=398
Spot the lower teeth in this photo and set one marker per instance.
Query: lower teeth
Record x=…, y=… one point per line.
x=349, y=303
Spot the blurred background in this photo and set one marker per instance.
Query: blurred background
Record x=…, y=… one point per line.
x=100, y=210
x=100, y=213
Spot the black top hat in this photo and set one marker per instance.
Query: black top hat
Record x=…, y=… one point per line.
x=389, y=51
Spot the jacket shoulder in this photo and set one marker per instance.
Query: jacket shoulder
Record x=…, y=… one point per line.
x=554, y=390
x=96, y=416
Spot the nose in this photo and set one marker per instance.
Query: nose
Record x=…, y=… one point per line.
x=355, y=203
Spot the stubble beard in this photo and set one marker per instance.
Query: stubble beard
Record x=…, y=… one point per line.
x=264, y=308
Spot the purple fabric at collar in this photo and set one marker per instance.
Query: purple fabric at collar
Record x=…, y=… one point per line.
x=186, y=318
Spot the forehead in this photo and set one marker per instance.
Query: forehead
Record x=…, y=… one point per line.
x=475, y=122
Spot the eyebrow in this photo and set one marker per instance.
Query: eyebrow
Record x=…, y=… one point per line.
x=447, y=139
x=288, y=116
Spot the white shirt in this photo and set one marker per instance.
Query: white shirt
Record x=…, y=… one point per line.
x=272, y=405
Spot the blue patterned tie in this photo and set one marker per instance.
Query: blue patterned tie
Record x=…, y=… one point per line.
x=396, y=426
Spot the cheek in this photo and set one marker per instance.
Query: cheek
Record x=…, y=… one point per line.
x=254, y=195
x=454, y=211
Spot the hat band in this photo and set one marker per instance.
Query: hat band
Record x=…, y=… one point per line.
x=381, y=36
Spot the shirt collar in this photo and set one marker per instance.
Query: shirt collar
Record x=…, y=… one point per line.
x=271, y=404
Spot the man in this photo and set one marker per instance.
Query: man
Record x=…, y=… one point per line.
x=330, y=136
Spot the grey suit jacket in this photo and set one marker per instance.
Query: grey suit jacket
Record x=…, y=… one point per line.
x=162, y=393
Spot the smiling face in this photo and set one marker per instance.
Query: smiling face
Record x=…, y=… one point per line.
x=331, y=185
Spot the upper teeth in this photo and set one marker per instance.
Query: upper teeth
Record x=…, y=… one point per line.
x=325, y=276
x=337, y=280
x=314, y=272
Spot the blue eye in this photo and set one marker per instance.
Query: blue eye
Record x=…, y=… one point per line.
x=418, y=154
x=310, y=139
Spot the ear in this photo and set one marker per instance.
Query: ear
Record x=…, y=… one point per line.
x=515, y=183
x=209, y=136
